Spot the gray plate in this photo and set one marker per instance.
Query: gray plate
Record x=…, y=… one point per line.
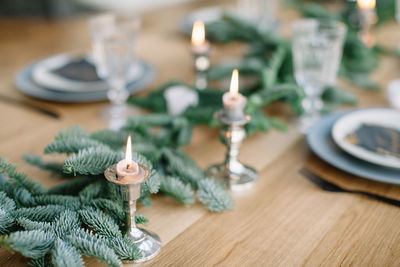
x=321, y=143
x=24, y=83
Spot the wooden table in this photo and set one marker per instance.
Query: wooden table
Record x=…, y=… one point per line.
x=284, y=221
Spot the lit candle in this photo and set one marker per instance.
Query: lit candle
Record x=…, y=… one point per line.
x=366, y=4
x=369, y=18
x=199, y=43
x=234, y=102
x=127, y=168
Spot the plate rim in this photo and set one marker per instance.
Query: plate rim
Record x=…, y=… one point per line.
x=362, y=153
x=391, y=176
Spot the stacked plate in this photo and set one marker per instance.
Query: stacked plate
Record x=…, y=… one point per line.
x=72, y=78
x=331, y=140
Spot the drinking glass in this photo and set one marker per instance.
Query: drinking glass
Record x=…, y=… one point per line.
x=114, y=54
x=317, y=51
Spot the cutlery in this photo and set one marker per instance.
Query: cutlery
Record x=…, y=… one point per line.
x=331, y=187
x=31, y=106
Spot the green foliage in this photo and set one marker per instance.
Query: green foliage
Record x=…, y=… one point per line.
x=175, y=188
x=71, y=187
x=32, y=244
x=100, y=222
x=6, y=221
x=45, y=213
x=38, y=161
x=182, y=166
x=32, y=225
x=141, y=219
x=91, y=161
x=70, y=145
x=93, y=245
x=65, y=255
x=20, y=178
x=214, y=195
x=125, y=248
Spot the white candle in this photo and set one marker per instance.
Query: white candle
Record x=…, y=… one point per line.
x=199, y=43
x=127, y=168
x=234, y=102
x=366, y=4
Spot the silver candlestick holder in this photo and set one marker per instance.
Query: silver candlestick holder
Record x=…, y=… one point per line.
x=130, y=190
x=234, y=173
x=201, y=66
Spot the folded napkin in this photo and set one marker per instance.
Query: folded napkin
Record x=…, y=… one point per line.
x=78, y=70
x=376, y=138
x=349, y=181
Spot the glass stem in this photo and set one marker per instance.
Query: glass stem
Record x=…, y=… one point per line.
x=118, y=93
x=312, y=105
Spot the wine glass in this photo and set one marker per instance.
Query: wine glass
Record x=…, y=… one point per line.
x=114, y=54
x=317, y=51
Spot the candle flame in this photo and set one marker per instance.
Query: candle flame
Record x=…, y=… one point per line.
x=128, y=153
x=234, y=89
x=366, y=4
x=198, y=33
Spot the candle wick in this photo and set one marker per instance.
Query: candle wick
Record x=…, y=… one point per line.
x=128, y=165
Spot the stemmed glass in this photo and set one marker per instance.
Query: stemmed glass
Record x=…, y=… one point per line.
x=317, y=51
x=114, y=54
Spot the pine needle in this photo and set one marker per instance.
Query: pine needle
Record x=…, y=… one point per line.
x=175, y=188
x=214, y=195
x=32, y=244
x=65, y=255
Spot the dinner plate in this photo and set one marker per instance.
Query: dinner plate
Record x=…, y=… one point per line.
x=25, y=84
x=349, y=123
x=43, y=73
x=321, y=143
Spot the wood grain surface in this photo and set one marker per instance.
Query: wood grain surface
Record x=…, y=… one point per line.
x=284, y=221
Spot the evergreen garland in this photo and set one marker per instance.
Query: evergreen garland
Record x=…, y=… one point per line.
x=84, y=215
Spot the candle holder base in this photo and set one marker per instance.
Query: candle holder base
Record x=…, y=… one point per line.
x=148, y=243
x=241, y=178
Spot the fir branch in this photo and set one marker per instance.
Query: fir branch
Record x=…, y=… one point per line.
x=149, y=120
x=32, y=225
x=94, y=246
x=92, y=190
x=71, y=145
x=214, y=195
x=182, y=166
x=101, y=223
x=71, y=187
x=125, y=248
x=116, y=139
x=152, y=184
x=6, y=203
x=72, y=132
x=38, y=161
x=67, y=222
x=32, y=244
x=70, y=202
x=40, y=213
x=111, y=207
x=41, y=262
x=91, y=161
x=20, y=178
x=140, y=219
x=21, y=196
x=65, y=255
x=6, y=221
x=175, y=188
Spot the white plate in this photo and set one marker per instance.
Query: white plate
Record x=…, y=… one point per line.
x=44, y=76
x=349, y=123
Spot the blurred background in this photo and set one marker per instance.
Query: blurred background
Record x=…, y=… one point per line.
x=55, y=8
